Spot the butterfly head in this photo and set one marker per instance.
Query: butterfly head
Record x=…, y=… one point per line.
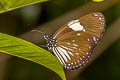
x=50, y=41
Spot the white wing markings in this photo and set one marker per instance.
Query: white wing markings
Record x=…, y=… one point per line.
x=63, y=55
x=65, y=52
x=58, y=56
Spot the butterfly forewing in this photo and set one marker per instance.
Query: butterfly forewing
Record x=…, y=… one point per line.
x=77, y=39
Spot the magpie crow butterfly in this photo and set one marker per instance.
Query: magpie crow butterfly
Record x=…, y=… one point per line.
x=74, y=42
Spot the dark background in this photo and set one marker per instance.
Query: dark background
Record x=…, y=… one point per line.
x=19, y=21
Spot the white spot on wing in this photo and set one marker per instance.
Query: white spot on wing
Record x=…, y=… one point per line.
x=100, y=18
x=94, y=38
x=84, y=30
x=77, y=53
x=67, y=48
x=88, y=56
x=95, y=14
x=75, y=45
x=75, y=62
x=67, y=67
x=83, y=56
x=75, y=25
x=80, y=64
x=70, y=53
x=89, y=47
x=68, y=64
x=78, y=61
x=73, y=40
x=88, y=39
x=80, y=58
x=87, y=53
x=78, y=34
x=68, y=43
x=100, y=27
x=73, y=21
x=97, y=39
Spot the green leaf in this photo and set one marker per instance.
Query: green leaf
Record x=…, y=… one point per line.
x=97, y=0
x=26, y=50
x=6, y=5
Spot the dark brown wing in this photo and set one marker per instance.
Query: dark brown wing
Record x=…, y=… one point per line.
x=77, y=39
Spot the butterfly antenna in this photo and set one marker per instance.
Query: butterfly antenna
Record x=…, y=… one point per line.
x=38, y=31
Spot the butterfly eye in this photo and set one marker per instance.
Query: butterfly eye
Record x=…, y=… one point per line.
x=47, y=37
x=74, y=42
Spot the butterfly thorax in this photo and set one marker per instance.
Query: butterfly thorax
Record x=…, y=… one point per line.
x=50, y=41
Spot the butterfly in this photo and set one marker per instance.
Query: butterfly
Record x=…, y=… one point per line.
x=74, y=42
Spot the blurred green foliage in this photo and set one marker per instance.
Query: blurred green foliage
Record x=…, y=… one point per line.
x=106, y=67
x=20, y=69
x=112, y=14
x=7, y=5
x=55, y=8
